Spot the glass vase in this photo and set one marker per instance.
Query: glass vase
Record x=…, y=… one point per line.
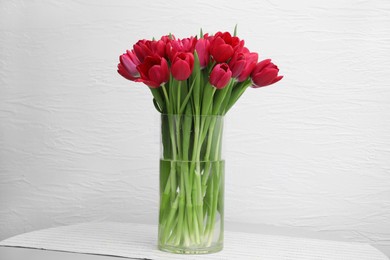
x=191, y=214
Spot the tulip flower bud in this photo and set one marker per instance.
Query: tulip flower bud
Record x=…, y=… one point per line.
x=251, y=60
x=145, y=48
x=202, y=49
x=220, y=75
x=223, y=46
x=154, y=71
x=142, y=50
x=265, y=73
x=128, y=65
x=237, y=64
x=182, y=65
x=180, y=45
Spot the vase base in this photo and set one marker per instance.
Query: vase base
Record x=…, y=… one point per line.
x=191, y=250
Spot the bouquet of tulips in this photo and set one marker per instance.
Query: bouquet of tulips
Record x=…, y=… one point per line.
x=194, y=82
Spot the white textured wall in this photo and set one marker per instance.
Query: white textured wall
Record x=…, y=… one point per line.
x=79, y=143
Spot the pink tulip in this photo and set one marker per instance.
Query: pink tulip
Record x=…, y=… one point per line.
x=128, y=65
x=167, y=38
x=237, y=64
x=220, y=75
x=180, y=45
x=154, y=71
x=251, y=60
x=265, y=73
x=202, y=48
x=182, y=65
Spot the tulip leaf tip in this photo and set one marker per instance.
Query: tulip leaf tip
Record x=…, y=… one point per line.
x=235, y=30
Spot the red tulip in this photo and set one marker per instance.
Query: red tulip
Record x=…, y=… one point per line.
x=154, y=71
x=158, y=47
x=251, y=60
x=223, y=46
x=265, y=73
x=167, y=38
x=128, y=65
x=202, y=48
x=188, y=44
x=180, y=45
x=220, y=75
x=144, y=48
x=237, y=64
x=182, y=65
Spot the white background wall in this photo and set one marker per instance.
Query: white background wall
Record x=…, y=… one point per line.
x=79, y=143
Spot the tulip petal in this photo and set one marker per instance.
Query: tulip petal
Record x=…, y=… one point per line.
x=202, y=48
x=181, y=70
x=155, y=74
x=268, y=75
x=276, y=79
x=264, y=78
x=223, y=53
x=220, y=75
x=129, y=65
x=260, y=66
x=164, y=70
x=123, y=72
x=224, y=80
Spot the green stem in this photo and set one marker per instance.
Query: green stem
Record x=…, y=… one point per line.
x=165, y=94
x=216, y=184
x=178, y=138
x=215, y=202
x=170, y=220
x=179, y=230
x=178, y=97
x=207, y=156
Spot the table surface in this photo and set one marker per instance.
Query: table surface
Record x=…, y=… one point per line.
x=103, y=241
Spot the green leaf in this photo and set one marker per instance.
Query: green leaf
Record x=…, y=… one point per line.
x=208, y=95
x=237, y=93
x=172, y=94
x=158, y=100
x=235, y=30
x=187, y=132
x=184, y=104
x=222, y=110
x=165, y=137
x=156, y=106
x=219, y=97
x=196, y=78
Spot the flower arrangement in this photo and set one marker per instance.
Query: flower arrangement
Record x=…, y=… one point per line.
x=194, y=82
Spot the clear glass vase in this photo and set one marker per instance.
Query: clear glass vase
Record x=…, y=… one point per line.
x=191, y=215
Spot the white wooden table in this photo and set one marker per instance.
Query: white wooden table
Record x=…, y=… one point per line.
x=102, y=241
